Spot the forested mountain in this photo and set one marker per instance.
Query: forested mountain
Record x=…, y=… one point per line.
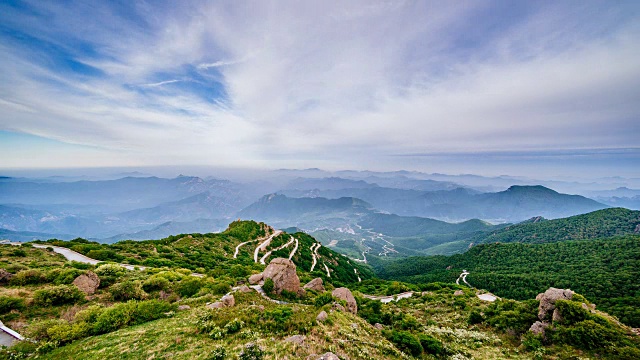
x=604, y=270
x=597, y=224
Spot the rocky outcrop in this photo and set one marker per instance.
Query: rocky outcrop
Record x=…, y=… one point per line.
x=315, y=284
x=345, y=294
x=255, y=279
x=5, y=276
x=87, y=283
x=322, y=317
x=283, y=273
x=548, y=300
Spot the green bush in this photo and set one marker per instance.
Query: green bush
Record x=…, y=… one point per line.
x=90, y=314
x=115, y=317
x=475, y=317
x=219, y=288
x=431, y=345
x=151, y=310
x=29, y=277
x=38, y=331
x=587, y=335
x=323, y=299
x=189, y=286
x=280, y=314
x=510, y=315
x=62, y=276
x=155, y=283
x=268, y=286
x=109, y=274
x=64, y=333
x=8, y=303
x=58, y=295
x=531, y=341
x=18, y=253
x=405, y=342
x=219, y=353
x=128, y=290
x=234, y=326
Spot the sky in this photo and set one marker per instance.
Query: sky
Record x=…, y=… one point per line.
x=540, y=88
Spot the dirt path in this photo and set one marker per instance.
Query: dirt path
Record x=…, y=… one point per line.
x=463, y=276
x=293, y=252
x=327, y=269
x=263, y=245
x=262, y=260
x=314, y=254
x=235, y=254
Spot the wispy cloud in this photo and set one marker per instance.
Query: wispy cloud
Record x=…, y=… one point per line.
x=327, y=83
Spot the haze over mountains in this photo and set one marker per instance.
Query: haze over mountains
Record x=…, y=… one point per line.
x=390, y=213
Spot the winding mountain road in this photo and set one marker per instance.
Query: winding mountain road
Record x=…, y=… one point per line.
x=262, y=259
x=263, y=245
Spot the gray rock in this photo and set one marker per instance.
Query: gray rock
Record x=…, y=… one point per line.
x=328, y=356
x=184, y=307
x=337, y=307
x=378, y=326
x=255, y=279
x=296, y=339
x=283, y=273
x=87, y=283
x=5, y=276
x=345, y=294
x=245, y=289
x=228, y=300
x=548, y=300
x=315, y=284
x=215, y=305
x=322, y=317
x=458, y=293
x=539, y=327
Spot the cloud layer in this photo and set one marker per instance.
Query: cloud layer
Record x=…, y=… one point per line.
x=277, y=84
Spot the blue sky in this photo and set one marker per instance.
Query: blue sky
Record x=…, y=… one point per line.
x=492, y=87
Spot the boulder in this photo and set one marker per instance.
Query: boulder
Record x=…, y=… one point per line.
x=296, y=339
x=5, y=276
x=458, y=293
x=322, y=317
x=345, y=294
x=255, y=278
x=283, y=273
x=215, y=305
x=315, y=284
x=337, y=307
x=328, y=356
x=548, y=300
x=228, y=300
x=184, y=307
x=87, y=283
x=378, y=326
x=245, y=289
x=539, y=327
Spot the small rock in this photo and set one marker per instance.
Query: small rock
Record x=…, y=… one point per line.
x=296, y=339
x=345, y=294
x=328, y=356
x=584, y=306
x=5, y=276
x=315, y=284
x=458, y=293
x=163, y=295
x=255, y=278
x=228, y=300
x=215, y=305
x=245, y=289
x=338, y=307
x=354, y=325
x=184, y=307
x=87, y=283
x=378, y=326
x=538, y=327
x=322, y=317
x=261, y=308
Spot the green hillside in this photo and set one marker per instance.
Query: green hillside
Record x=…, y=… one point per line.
x=597, y=224
x=605, y=270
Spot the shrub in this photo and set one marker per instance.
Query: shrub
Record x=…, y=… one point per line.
x=219, y=288
x=28, y=277
x=151, y=310
x=64, y=333
x=90, y=314
x=39, y=330
x=62, y=276
x=323, y=299
x=115, y=317
x=405, y=342
x=58, y=295
x=155, y=283
x=8, y=303
x=109, y=274
x=234, y=326
x=431, y=345
x=280, y=314
x=475, y=317
x=531, y=341
x=587, y=335
x=251, y=351
x=268, y=286
x=19, y=253
x=189, y=287
x=128, y=290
